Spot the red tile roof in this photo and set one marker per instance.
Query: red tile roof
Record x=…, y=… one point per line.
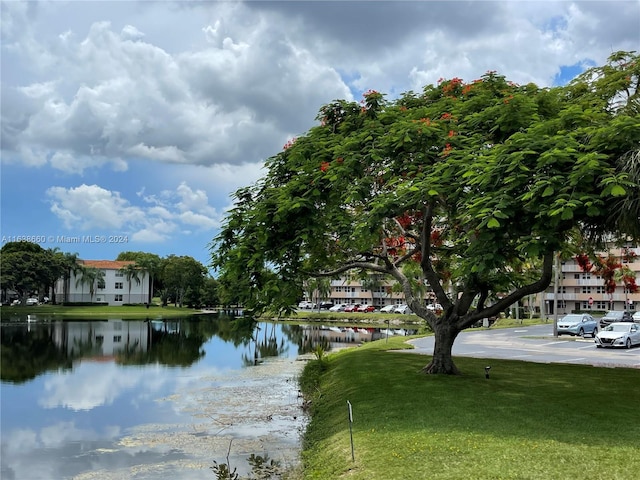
x=107, y=264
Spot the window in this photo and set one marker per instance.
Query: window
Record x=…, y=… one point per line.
x=119, y=286
x=118, y=298
x=576, y=276
x=117, y=338
x=586, y=289
x=119, y=274
x=101, y=284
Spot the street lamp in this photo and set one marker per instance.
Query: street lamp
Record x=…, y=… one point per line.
x=486, y=371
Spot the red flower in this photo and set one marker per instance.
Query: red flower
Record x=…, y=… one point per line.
x=324, y=166
x=451, y=133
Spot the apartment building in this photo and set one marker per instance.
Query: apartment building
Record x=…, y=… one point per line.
x=349, y=292
x=579, y=290
x=113, y=288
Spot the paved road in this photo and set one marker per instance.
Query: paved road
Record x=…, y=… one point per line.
x=533, y=344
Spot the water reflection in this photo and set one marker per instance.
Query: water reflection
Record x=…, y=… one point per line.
x=152, y=399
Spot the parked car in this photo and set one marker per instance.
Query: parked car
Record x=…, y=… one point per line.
x=366, y=308
x=306, y=305
x=352, y=308
x=388, y=309
x=636, y=316
x=326, y=305
x=404, y=309
x=619, y=334
x=615, y=316
x=338, y=308
x=436, y=307
x=577, y=324
x=32, y=301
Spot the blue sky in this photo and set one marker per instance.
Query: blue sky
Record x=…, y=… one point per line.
x=127, y=125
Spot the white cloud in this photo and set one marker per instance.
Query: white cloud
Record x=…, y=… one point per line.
x=204, y=92
x=84, y=390
x=93, y=207
x=159, y=217
x=223, y=102
x=129, y=32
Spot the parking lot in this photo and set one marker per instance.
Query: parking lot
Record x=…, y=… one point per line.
x=534, y=344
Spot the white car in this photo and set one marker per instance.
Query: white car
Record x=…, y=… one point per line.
x=404, y=309
x=338, y=308
x=388, y=309
x=306, y=305
x=32, y=301
x=619, y=334
x=636, y=316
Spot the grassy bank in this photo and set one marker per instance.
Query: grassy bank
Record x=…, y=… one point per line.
x=528, y=421
x=124, y=311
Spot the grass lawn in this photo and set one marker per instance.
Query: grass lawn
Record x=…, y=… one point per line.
x=124, y=311
x=528, y=421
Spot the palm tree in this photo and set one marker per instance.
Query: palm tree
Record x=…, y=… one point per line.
x=131, y=271
x=89, y=276
x=320, y=288
x=71, y=266
x=148, y=264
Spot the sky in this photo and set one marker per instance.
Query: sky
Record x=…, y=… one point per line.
x=127, y=125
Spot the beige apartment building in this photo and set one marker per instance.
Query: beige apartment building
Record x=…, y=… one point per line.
x=349, y=292
x=578, y=290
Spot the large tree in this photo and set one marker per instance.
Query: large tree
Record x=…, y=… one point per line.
x=182, y=274
x=470, y=182
x=27, y=268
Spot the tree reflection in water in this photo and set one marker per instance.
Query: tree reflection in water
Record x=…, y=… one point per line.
x=31, y=349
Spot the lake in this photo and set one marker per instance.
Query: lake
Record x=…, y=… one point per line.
x=154, y=399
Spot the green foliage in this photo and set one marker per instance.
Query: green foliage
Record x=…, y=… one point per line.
x=180, y=274
x=262, y=468
x=319, y=352
x=28, y=268
x=466, y=182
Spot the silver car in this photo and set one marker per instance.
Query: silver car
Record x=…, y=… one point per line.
x=619, y=334
x=578, y=324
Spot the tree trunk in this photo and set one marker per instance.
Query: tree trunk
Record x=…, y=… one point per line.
x=442, y=361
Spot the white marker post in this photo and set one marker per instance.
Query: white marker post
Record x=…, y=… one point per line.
x=353, y=458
